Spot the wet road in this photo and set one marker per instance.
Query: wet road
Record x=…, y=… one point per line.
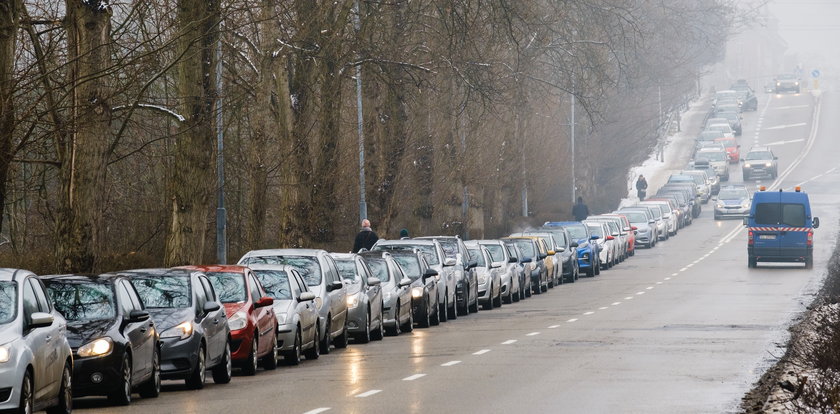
x=684, y=327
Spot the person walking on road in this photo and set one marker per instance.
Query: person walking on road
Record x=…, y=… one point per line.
x=641, y=187
x=366, y=238
x=580, y=210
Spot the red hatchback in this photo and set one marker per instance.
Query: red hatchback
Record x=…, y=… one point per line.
x=732, y=149
x=631, y=232
x=253, y=325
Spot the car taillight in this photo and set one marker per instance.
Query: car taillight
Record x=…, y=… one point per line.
x=750, y=239
x=810, y=241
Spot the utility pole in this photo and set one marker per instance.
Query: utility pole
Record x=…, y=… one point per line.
x=572, y=135
x=221, y=213
x=360, y=123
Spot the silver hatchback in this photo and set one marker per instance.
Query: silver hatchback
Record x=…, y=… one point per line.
x=36, y=363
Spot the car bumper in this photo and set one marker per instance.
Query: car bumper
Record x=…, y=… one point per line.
x=240, y=343
x=389, y=313
x=757, y=171
x=96, y=376
x=795, y=255
x=178, y=356
x=357, y=318
x=585, y=258
x=286, y=336
x=11, y=378
x=731, y=212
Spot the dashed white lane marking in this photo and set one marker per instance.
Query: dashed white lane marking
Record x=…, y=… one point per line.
x=368, y=393
x=658, y=283
x=572, y=320
x=413, y=377
x=695, y=262
x=481, y=352
x=683, y=269
x=588, y=313
x=786, y=126
x=668, y=278
x=509, y=341
x=616, y=303
x=689, y=265
x=640, y=293
x=532, y=334
x=649, y=287
x=317, y=410
x=450, y=363
x=674, y=274
x=602, y=308
x=553, y=326
x=628, y=298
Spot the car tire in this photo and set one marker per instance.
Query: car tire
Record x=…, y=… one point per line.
x=379, y=333
x=489, y=304
x=315, y=351
x=364, y=336
x=464, y=310
x=65, y=393
x=223, y=372
x=508, y=299
x=151, y=388
x=27, y=396
x=292, y=357
x=498, y=300
x=326, y=340
x=598, y=268
x=443, y=308
x=452, y=311
x=395, y=331
x=809, y=261
x=269, y=361
x=249, y=366
x=474, y=307
x=342, y=340
x=122, y=392
x=435, y=319
x=425, y=320
x=409, y=324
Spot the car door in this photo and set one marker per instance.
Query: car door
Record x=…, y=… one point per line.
x=793, y=240
x=214, y=322
x=136, y=332
x=338, y=300
x=150, y=332
x=306, y=309
x=266, y=326
x=40, y=341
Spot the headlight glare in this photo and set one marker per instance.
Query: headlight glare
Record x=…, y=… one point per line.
x=416, y=292
x=5, y=353
x=353, y=301
x=96, y=348
x=767, y=164
x=181, y=331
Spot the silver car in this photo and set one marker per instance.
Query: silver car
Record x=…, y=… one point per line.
x=321, y=276
x=489, y=276
x=645, y=226
x=510, y=270
x=733, y=201
x=607, y=245
x=36, y=363
x=467, y=281
x=396, y=291
x=294, y=307
x=364, y=298
x=718, y=159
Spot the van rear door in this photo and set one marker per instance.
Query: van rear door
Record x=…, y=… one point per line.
x=766, y=238
x=793, y=233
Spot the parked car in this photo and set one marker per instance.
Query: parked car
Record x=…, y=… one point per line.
x=36, y=363
x=722, y=128
x=396, y=291
x=522, y=268
x=645, y=227
x=552, y=261
x=733, y=149
x=787, y=83
x=718, y=159
x=733, y=201
x=435, y=256
x=534, y=248
x=760, y=161
x=364, y=298
x=630, y=230
x=295, y=309
x=114, y=341
x=587, y=253
x=607, y=245
x=734, y=119
x=467, y=287
x=489, y=276
x=619, y=231
x=668, y=214
x=250, y=316
x=500, y=255
x=194, y=332
x=424, y=296
x=712, y=178
x=565, y=252
x=320, y=273
x=703, y=190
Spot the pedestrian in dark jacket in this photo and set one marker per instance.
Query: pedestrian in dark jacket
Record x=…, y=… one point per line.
x=404, y=234
x=641, y=187
x=580, y=210
x=366, y=238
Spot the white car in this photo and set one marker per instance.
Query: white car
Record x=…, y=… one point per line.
x=607, y=243
x=36, y=363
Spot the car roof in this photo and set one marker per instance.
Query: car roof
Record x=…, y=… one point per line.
x=407, y=241
x=343, y=255
x=762, y=149
x=153, y=272
x=82, y=277
x=216, y=268
x=284, y=252
x=9, y=274
x=261, y=266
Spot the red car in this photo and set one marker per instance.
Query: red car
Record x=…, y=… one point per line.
x=631, y=233
x=253, y=325
x=732, y=149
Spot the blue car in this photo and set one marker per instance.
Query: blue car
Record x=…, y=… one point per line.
x=781, y=228
x=587, y=253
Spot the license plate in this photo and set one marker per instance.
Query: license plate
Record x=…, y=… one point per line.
x=767, y=236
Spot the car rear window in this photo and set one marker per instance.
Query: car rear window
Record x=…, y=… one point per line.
x=275, y=283
x=230, y=286
x=780, y=213
x=160, y=292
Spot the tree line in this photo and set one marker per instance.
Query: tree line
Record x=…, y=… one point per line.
x=109, y=113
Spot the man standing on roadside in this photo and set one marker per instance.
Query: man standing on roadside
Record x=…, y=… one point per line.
x=366, y=238
x=580, y=210
x=641, y=187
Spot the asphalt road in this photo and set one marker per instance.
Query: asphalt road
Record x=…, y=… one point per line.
x=684, y=327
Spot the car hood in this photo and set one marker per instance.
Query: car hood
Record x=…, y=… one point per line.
x=80, y=333
x=166, y=318
x=9, y=332
x=733, y=202
x=231, y=308
x=283, y=305
x=317, y=290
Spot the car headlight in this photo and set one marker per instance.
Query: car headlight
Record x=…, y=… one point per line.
x=353, y=301
x=585, y=256
x=416, y=292
x=97, y=348
x=281, y=318
x=767, y=164
x=746, y=204
x=796, y=83
x=387, y=296
x=238, y=321
x=5, y=353
x=181, y=331
x=747, y=165
x=719, y=205
x=482, y=279
x=778, y=84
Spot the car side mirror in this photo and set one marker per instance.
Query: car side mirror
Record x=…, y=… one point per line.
x=374, y=281
x=561, y=249
x=816, y=222
x=526, y=260
x=40, y=320
x=472, y=265
x=307, y=296
x=551, y=252
x=610, y=237
x=449, y=262
x=595, y=237
x=137, y=316
x=495, y=265
x=211, y=307
x=263, y=302
x=775, y=157
x=430, y=273
x=651, y=221
x=405, y=282
x=513, y=259
x=542, y=256
x=334, y=285
x=574, y=244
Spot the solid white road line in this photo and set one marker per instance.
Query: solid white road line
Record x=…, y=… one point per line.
x=602, y=308
x=317, y=410
x=649, y=287
x=572, y=320
x=368, y=393
x=413, y=377
x=616, y=303
x=588, y=313
x=509, y=341
x=481, y=352
x=532, y=334
x=553, y=326
x=628, y=298
x=640, y=293
x=785, y=126
x=450, y=363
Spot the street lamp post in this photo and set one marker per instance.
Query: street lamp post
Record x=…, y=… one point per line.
x=360, y=125
x=221, y=213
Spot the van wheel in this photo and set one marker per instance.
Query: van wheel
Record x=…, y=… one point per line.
x=809, y=262
x=752, y=263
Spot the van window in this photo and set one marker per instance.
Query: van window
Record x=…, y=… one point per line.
x=793, y=215
x=777, y=213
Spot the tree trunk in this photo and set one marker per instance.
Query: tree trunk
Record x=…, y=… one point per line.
x=192, y=176
x=323, y=200
x=9, y=16
x=82, y=202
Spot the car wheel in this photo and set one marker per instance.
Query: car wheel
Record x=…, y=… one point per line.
x=27, y=401
x=269, y=361
x=425, y=319
x=395, y=331
x=250, y=365
x=435, y=319
x=379, y=333
x=315, y=351
x=508, y=299
x=452, y=311
x=364, y=337
x=409, y=324
x=65, y=393
x=292, y=357
x=223, y=372
x=326, y=340
x=489, y=304
x=122, y=392
x=443, y=309
x=474, y=307
x=342, y=340
x=809, y=262
x=463, y=310
x=498, y=301
x=598, y=268
x=151, y=388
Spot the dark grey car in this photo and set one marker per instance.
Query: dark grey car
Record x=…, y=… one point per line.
x=365, y=319
x=467, y=287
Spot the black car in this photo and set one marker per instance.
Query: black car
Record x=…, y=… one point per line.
x=193, y=327
x=115, y=344
x=424, y=295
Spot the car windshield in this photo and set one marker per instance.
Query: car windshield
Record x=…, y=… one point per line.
x=729, y=142
x=720, y=127
x=577, y=231
x=409, y=265
x=159, y=292
x=8, y=302
x=475, y=253
x=450, y=248
x=759, y=155
x=635, y=217
x=308, y=266
x=83, y=302
x=596, y=230
x=496, y=252
x=681, y=178
x=379, y=269
x=275, y=283
x=428, y=250
x=230, y=286
x=713, y=155
x=526, y=247
x=347, y=270
x=733, y=194
x=786, y=77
